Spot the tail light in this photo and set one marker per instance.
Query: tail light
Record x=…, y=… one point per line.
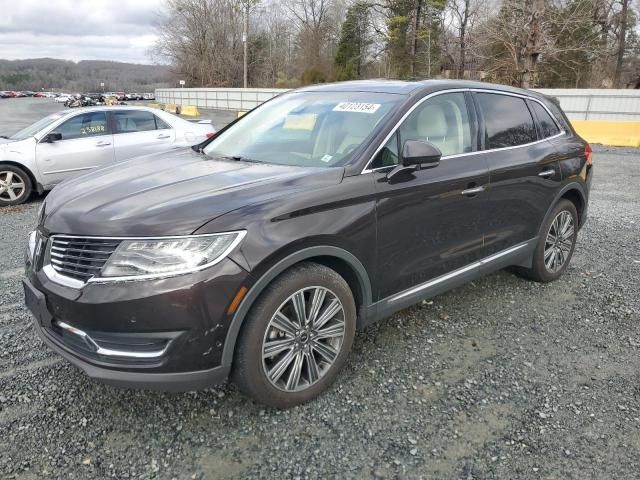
x=588, y=153
x=211, y=134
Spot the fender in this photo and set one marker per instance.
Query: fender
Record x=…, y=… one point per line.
x=277, y=269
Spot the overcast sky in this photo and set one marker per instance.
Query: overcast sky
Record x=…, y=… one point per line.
x=120, y=30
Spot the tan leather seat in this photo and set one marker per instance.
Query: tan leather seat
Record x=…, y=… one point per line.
x=432, y=127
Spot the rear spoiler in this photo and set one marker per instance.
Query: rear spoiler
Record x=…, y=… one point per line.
x=199, y=121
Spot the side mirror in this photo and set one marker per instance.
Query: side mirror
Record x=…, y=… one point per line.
x=52, y=137
x=424, y=154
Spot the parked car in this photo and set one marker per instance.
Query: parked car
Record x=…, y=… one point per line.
x=4, y=94
x=148, y=96
x=40, y=94
x=62, y=98
x=258, y=253
x=65, y=144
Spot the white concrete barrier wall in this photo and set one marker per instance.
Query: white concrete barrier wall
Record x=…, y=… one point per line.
x=598, y=104
x=578, y=104
x=234, y=99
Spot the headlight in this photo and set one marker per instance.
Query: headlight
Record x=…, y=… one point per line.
x=31, y=248
x=40, y=216
x=157, y=257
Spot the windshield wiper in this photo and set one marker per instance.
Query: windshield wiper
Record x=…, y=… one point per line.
x=239, y=158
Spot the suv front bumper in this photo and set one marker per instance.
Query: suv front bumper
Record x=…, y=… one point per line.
x=166, y=334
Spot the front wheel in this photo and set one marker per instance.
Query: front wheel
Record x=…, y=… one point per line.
x=15, y=186
x=556, y=244
x=296, y=337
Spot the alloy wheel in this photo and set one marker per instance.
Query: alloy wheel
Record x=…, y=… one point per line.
x=12, y=186
x=303, y=339
x=559, y=241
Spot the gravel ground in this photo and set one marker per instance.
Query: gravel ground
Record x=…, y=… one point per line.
x=502, y=378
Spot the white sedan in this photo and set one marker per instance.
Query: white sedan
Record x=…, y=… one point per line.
x=62, y=98
x=65, y=144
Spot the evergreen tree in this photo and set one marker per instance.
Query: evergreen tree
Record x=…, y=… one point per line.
x=354, y=40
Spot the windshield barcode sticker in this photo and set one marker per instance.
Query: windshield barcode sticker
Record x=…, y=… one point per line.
x=356, y=107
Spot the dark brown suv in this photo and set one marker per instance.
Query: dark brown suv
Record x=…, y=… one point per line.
x=260, y=252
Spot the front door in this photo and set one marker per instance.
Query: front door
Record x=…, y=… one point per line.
x=86, y=143
x=431, y=222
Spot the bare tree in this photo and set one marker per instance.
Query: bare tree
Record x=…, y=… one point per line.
x=464, y=14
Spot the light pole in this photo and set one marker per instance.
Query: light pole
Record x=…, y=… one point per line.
x=245, y=34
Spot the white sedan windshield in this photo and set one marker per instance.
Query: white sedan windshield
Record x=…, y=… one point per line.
x=34, y=128
x=317, y=129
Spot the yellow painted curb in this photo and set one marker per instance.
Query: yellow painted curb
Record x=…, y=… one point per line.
x=240, y=114
x=189, y=110
x=615, y=134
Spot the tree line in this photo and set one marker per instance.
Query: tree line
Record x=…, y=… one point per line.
x=84, y=76
x=527, y=43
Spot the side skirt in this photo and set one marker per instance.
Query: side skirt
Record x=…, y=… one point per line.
x=517, y=255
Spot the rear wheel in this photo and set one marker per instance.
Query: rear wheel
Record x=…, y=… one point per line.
x=15, y=185
x=296, y=337
x=556, y=244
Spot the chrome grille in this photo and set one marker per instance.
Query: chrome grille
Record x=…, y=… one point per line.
x=80, y=257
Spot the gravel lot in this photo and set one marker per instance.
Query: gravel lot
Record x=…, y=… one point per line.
x=499, y=379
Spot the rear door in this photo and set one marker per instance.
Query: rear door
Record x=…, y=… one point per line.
x=139, y=132
x=431, y=222
x=86, y=143
x=523, y=166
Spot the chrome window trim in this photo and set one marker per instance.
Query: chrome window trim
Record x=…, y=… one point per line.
x=459, y=90
x=56, y=277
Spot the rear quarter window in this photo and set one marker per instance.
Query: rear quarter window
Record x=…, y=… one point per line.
x=548, y=127
x=508, y=121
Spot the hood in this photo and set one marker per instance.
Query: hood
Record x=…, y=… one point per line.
x=9, y=145
x=173, y=193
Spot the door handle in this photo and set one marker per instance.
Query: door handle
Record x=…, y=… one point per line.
x=161, y=137
x=103, y=144
x=472, y=191
x=547, y=173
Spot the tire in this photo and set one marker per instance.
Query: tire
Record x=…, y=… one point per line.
x=15, y=186
x=301, y=348
x=540, y=270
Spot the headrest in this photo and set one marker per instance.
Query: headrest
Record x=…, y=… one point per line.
x=432, y=122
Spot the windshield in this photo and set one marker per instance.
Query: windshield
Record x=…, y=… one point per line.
x=34, y=128
x=316, y=129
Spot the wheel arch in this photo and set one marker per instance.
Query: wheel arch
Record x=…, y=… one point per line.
x=34, y=183
x=343, y=262
x=574, y=192
x=576, y=197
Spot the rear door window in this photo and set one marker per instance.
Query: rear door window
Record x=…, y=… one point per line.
x=548, y=127
x=508, y=121
x=129, y=121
